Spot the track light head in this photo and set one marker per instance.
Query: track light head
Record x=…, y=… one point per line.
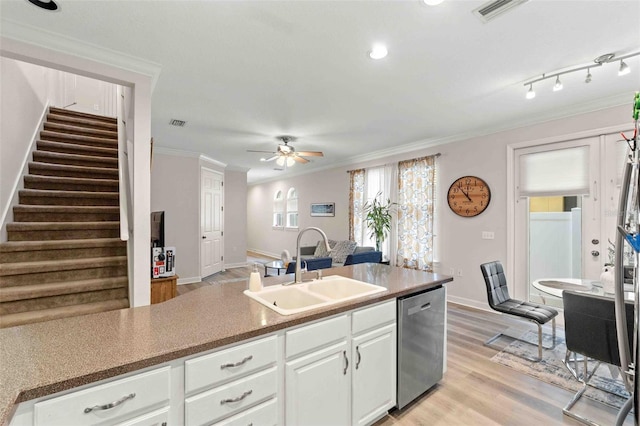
x=588, y=78
x=531, y=93
x=624, y=68
x=558, y=85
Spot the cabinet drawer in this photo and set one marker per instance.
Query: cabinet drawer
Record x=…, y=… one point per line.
x=229, y=399
x=265, y=414
x=209, y=370
x=316, y=335
x=373, y=316
x=155, y=418
x=83, y=407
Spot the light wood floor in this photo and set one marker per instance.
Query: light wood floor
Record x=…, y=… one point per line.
x=475, y=390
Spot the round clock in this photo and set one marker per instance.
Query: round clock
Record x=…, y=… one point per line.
x=468, y=196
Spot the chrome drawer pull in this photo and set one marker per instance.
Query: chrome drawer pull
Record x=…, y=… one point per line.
x=237, y=364
x=346, y=366
x=110, y=405
x=240, y=398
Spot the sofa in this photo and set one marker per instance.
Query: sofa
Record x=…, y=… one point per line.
x=342, y=253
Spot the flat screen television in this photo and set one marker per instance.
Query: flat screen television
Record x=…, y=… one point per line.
x=157, y=229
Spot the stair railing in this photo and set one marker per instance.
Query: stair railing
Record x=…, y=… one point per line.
x=123, y=163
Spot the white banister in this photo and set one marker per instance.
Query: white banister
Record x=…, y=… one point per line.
x=123, y=164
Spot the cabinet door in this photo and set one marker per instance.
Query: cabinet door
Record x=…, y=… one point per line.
x=317, y=388
x=373, y=374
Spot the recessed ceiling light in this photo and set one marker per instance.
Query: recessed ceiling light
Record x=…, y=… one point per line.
x=432, y=2
x=45, y=4
x=378, y=52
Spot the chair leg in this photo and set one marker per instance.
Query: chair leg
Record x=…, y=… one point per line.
x=540, y=347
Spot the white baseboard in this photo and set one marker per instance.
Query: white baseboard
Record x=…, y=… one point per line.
x=189, y=280
x=265, y=253
x=235, y=265
x=469, y=302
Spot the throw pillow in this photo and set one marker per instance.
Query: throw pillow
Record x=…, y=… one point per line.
x=342, y=249
x=321, y=249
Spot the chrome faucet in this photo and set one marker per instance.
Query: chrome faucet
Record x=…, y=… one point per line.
x=298, y=270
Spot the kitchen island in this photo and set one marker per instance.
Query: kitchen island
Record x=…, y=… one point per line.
x=42, y=359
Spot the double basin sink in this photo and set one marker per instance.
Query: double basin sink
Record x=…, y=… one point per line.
x=296, y=298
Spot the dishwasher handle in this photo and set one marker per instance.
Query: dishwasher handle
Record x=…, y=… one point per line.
x=419, y=308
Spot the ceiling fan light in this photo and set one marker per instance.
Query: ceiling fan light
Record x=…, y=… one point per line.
x=290, y=161
x=280, y=161
x=624, y=68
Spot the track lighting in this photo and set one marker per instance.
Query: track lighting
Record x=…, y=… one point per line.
x=597, y=62
x=624, y=68
x=530, y=93
x=558, y=85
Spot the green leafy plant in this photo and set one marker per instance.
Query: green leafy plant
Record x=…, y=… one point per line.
x=379, y=218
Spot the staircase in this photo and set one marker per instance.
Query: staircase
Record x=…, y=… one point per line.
x=64, y=256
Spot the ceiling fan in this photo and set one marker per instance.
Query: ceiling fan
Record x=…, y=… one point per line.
x=286, y=155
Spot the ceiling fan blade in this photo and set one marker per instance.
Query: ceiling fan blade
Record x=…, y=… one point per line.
x=300, y=159
x=272, y=158
x=268, y=152
x=310, y=153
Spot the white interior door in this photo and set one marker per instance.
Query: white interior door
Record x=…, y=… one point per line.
x=211, y=223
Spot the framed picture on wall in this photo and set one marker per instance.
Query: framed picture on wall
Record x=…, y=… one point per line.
x=323, y=209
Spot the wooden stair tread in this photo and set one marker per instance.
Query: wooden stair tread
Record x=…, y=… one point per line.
x=62, y=167
x=33, y=291
x=79, y=130
x=81, y=121
x=70, y=113
x=51, y=135
x=65, y=209
x=71, y=180
x=78, y=157
x=11, y=320
x=14, y=246
x=21, y=268
x=47, y=226
x=53, y=145
x=72, y=194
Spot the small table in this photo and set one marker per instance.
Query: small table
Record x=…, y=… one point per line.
x=276, y=264
x=555, y=287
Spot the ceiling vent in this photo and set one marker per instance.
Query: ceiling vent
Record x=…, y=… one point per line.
x=177, y=123
x=490, y=10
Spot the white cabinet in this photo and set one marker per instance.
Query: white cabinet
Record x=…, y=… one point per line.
x=342, y=371
x=225, y=386
x=374, y=374
x=317, y=387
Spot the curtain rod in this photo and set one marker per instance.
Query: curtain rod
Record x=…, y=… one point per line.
x=432, y=155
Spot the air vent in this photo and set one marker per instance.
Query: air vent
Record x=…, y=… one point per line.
x=177, y=123
x=490, y=10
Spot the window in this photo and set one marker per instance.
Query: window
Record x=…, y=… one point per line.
x=278, y=210
x=292, y=208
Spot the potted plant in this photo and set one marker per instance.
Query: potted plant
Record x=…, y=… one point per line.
x=379, y=218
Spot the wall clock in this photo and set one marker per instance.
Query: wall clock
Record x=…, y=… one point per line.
x=468, y=196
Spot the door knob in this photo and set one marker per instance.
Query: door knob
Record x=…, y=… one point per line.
x=595, y=241
x=204, y=238
x=595, y=253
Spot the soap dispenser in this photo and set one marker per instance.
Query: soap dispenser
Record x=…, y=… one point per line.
x=255, y=280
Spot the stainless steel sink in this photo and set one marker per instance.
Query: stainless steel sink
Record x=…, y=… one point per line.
x=293, y=299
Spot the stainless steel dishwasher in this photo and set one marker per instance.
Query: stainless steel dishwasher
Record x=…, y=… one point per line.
x=420, y=343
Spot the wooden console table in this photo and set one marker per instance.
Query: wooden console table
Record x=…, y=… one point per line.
x=163, y=289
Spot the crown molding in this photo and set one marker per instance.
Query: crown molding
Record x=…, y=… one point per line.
x=188, y=154
x=57, y=42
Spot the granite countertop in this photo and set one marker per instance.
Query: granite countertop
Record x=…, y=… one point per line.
x=48, y=357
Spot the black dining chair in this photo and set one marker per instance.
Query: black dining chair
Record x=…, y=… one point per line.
x=590, y=330
x=500, y=301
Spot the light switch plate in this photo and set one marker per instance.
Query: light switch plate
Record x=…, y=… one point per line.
x=487, y=235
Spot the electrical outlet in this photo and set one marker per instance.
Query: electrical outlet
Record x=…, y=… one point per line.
x=459, y=272
x=487, y=235
x=452, y=271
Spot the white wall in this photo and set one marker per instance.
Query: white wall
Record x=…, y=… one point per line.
x=459, y=245
x=235, y=218
x=23, y=97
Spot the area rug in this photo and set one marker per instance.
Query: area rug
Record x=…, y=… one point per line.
x=552, y=370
